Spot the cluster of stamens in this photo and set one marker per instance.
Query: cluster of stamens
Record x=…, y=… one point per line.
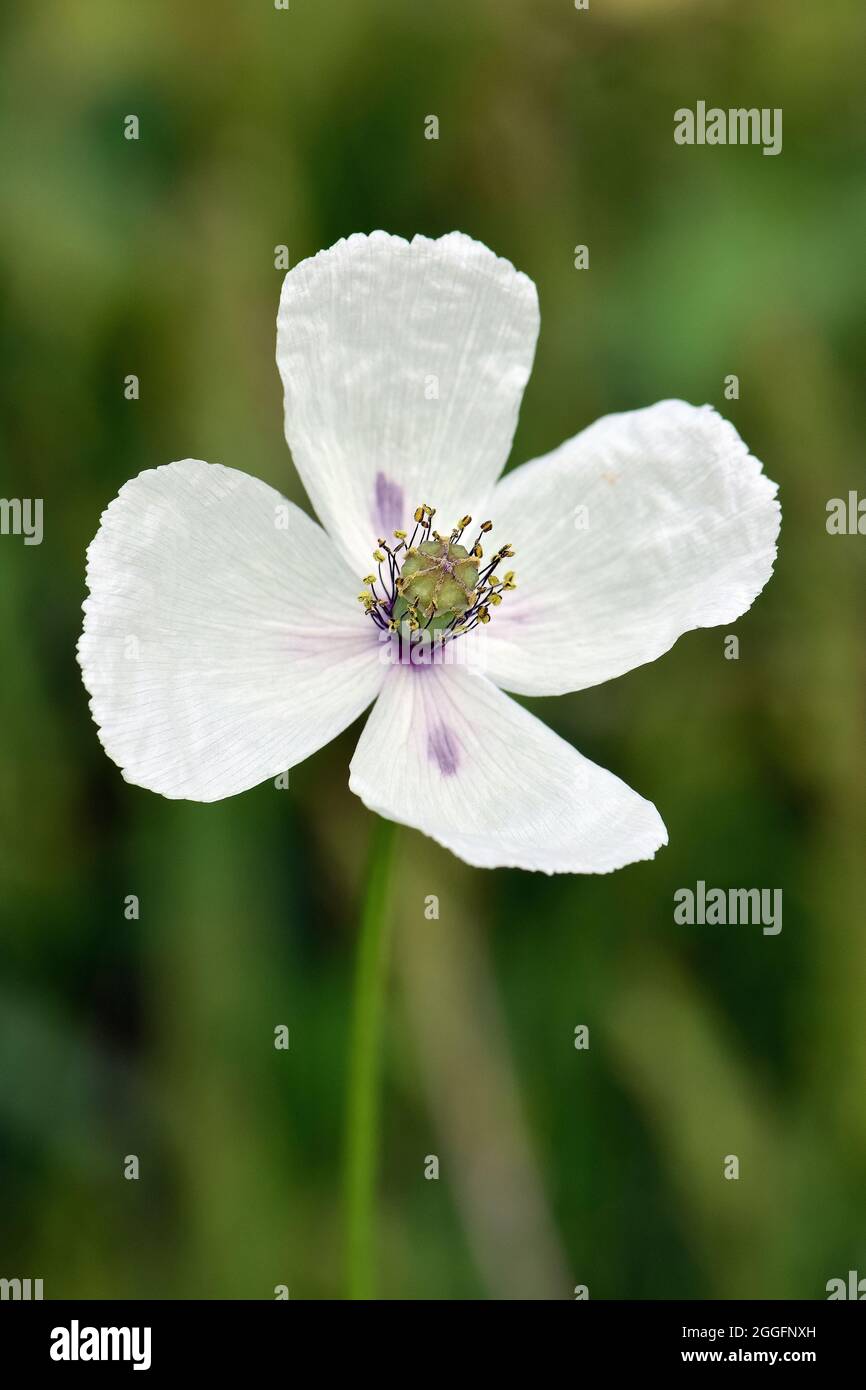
x=434, y=582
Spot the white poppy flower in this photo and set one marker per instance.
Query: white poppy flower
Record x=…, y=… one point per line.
x=223, y=639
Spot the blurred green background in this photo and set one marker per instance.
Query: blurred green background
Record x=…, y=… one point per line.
x=155, y=1037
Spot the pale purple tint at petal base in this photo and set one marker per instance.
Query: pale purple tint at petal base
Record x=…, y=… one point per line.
x=388, y=510
x=442, y=748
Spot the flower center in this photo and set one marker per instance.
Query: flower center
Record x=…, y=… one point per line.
x=435, y=582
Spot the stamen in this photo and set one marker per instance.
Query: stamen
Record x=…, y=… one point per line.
x=437, y=585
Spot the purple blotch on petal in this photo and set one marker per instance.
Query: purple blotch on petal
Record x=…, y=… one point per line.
x=443, y=749
x=388, y=504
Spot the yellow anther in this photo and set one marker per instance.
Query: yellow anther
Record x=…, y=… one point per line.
x=419, y=513
x=378, y=556
x=509, y=577
x=487, y=525
x=392, y=626
x=363, y=598
x=484, y=615
x=463, y=523
x=401, y=535
x=494, y=580
x=510, y=584
x=369, y=579
x=495, y=598
x=477, y=552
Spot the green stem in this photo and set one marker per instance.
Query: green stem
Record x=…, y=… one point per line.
x=362, y=1137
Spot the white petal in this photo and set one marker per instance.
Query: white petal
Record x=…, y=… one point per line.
x=221, y=645
x=446, y=752
x=403, y=366
x=681, y=528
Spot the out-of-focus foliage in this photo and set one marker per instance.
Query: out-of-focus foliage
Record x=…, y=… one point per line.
x=155, y=1037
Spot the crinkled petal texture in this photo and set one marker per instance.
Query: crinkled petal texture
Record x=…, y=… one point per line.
x=447, y=752
x=403, y=368
x=642, y=527
x=221, y=644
